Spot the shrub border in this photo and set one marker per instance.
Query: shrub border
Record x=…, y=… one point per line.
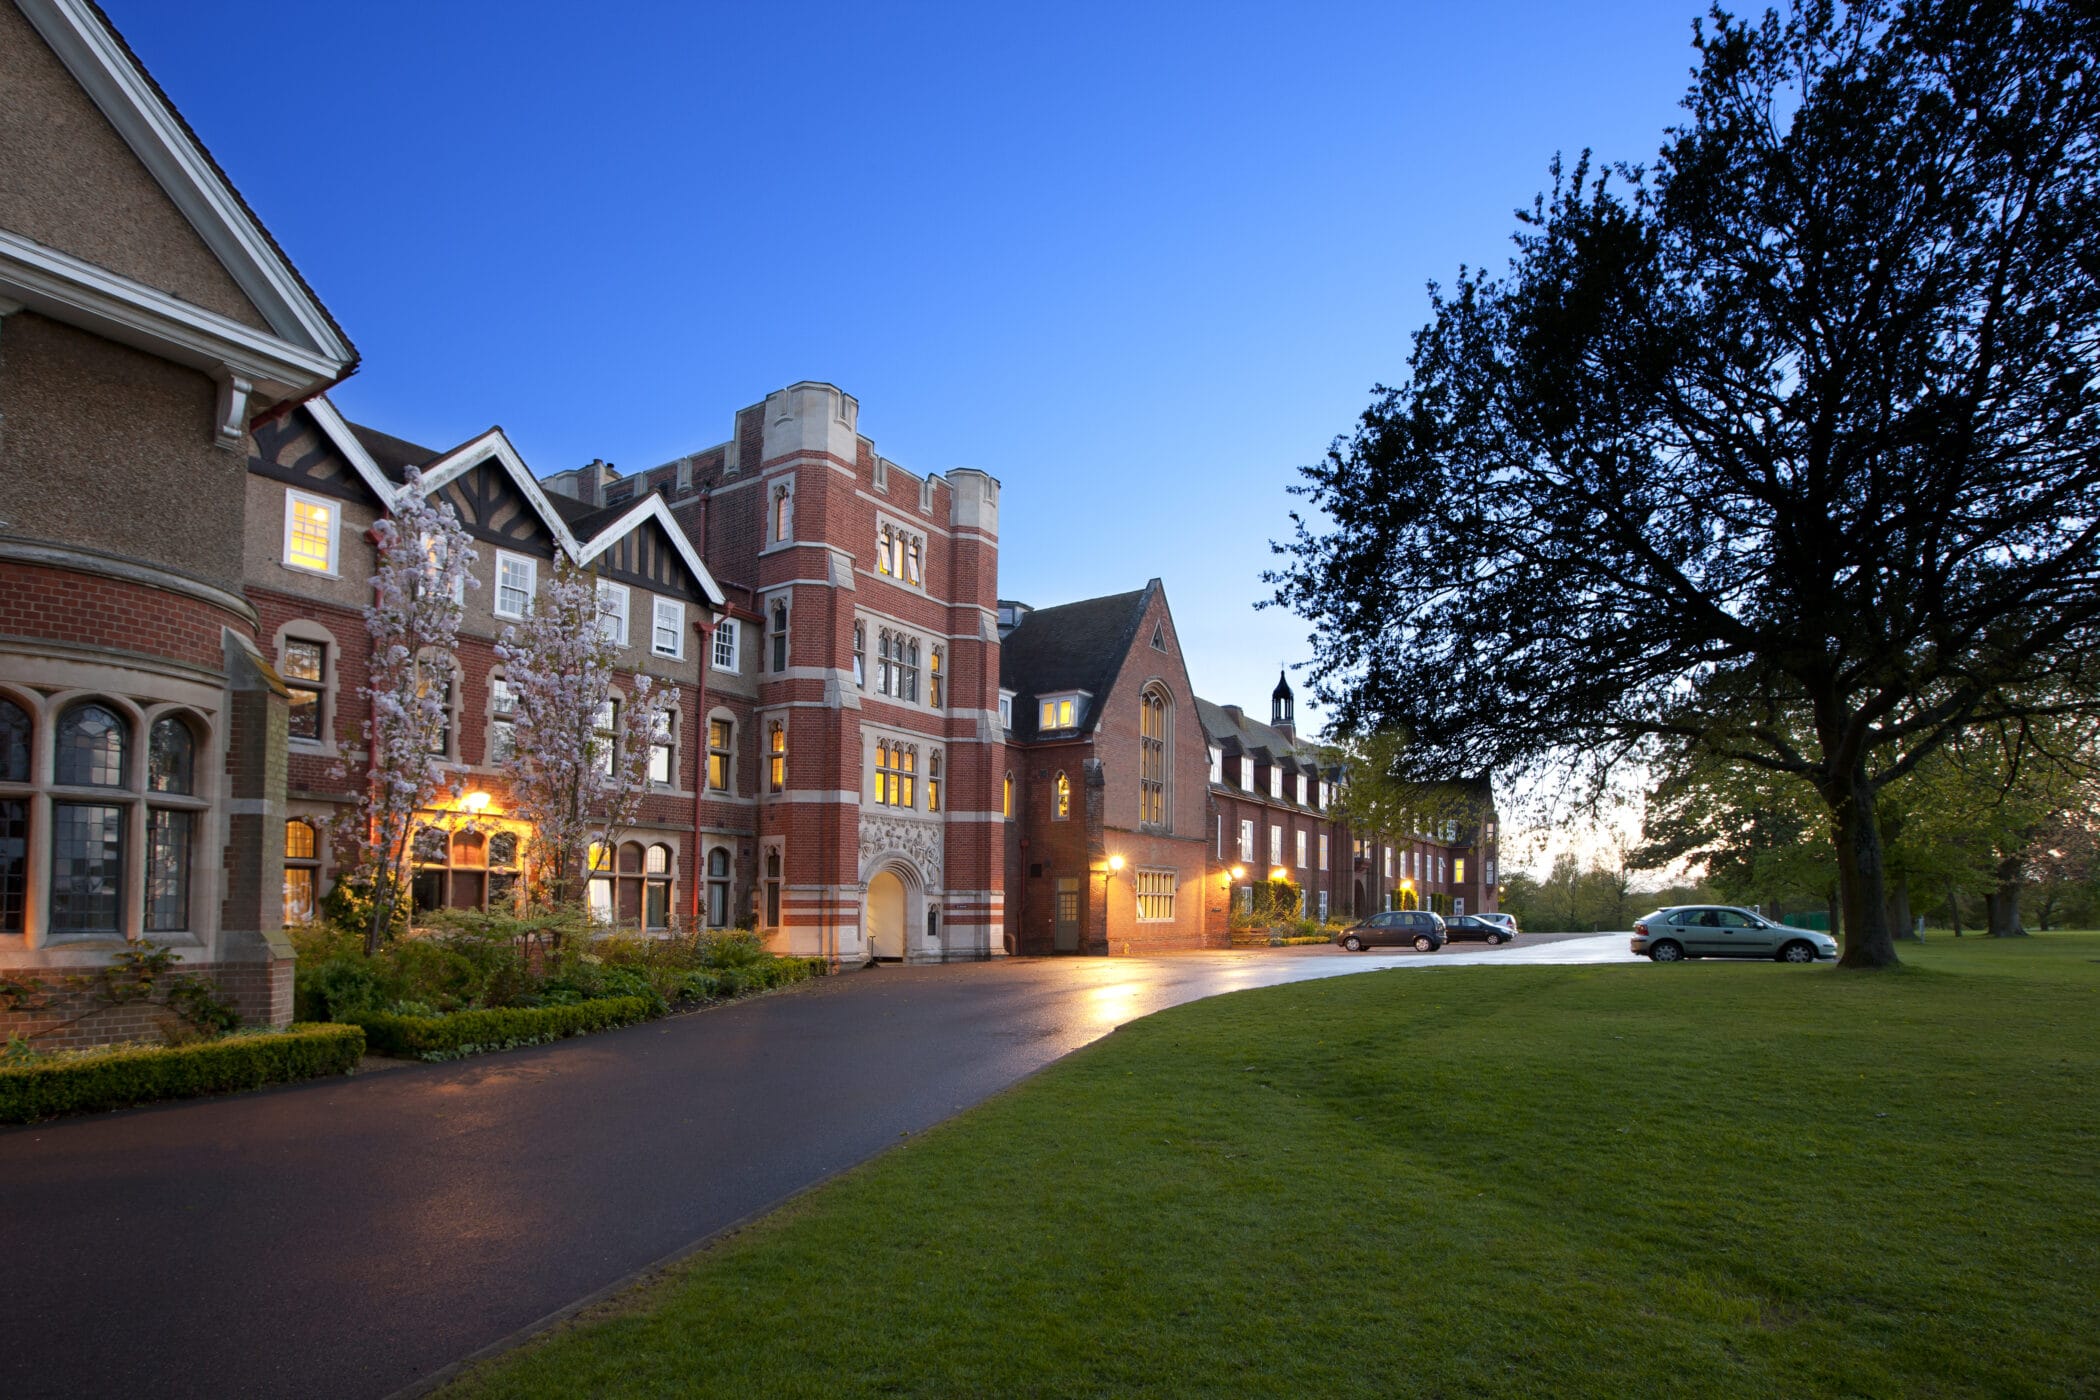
x=462, y=1033
x=126, y=1077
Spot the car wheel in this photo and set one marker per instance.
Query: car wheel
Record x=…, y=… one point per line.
x=1797, y=952
x=1494, y=939
x=1424, y=943
x=1353, y=943
x=1667, y=951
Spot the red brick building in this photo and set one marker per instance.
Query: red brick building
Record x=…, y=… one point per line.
x=852, y=806
x=1274, y=800
x=1105, y=789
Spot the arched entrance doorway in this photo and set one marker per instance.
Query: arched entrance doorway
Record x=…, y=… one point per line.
x=886, y=915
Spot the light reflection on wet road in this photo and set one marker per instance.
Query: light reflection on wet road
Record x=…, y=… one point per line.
x=350, y=1237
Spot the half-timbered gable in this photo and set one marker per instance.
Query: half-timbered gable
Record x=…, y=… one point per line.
x=493, y=509
x=648, y=555
x=296, y=449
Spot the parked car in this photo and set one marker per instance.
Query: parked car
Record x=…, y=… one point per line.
x=1508, y=922
x=1416, y=928
x=1474, y=928
x=1724, y=931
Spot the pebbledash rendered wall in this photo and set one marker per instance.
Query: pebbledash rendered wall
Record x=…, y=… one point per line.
x=147, y=628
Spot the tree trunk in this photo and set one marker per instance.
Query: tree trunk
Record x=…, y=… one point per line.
x=1862, y=886
x=1900, y=921
x=2003, y=903
x=1954, y=907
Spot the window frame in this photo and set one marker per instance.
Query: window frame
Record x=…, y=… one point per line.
x=624, y=613
x=728, y=629
x=504, y=560
x=294, y=498
x=657, y=612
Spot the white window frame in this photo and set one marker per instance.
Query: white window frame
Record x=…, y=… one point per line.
x=1323, y=850
x=1276, y=782
x=607, y=591
x=726, y=630
x=1217, y=766
x=1006, y=710
x=1247, y=840
x=505, y=560
x=675, y=611
x=1302, y=844
x=293, y=498
x=1275, y=843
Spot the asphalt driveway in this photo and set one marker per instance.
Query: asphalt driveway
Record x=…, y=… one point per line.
x=351, y=1237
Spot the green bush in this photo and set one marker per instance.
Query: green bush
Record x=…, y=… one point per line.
x=463, y=1033
x=89, y=1083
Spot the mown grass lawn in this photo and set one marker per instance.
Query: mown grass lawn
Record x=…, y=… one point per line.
x=1706, y=1179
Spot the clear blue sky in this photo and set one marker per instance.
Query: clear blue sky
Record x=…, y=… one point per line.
x=1139, y=262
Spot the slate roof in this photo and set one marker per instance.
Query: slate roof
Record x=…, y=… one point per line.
x=1074, y=646
x=394, y=455
x=1250, y=735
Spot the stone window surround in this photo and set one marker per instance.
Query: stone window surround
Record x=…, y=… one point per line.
x=305, y=629
x=208, y=760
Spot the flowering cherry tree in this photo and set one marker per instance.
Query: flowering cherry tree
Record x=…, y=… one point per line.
x=577, y=774
x=414, y=624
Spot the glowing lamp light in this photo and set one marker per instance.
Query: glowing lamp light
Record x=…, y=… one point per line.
x=1239, y=872
x=1279, y=873
x=476, y=801
x=1407, y=884
x=1115, y=862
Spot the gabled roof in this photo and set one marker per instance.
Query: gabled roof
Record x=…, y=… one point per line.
x=582, y=532
x=305, y=351
x=1074, y=646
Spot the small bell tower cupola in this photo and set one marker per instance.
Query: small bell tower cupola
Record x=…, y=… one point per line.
x=1280, y=706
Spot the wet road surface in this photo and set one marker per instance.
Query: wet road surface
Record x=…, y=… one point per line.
x=351, y=1237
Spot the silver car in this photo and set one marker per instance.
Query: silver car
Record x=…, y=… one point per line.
x=1724, y=931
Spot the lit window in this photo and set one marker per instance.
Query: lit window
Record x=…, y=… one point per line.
x=721, y=741
x=896, y=770
x=1061, y=798
x=1152, y=759
x=612, y=611
x=1155, y=896
x=933, y=782
x=726, y=644
x=516, y=579
x=933, y=678
x=1323, y=850
x=1058, y=714
x=777, y=756
x=667, y=636
x=302, y=871
x=309, y=532
x=1006, y=797
x=1458, y=870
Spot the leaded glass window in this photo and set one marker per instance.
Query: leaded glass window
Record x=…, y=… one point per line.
x=93, y=743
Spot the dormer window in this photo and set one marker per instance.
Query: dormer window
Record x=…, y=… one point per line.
x=1275, y=782
x=1006, y=709
x=1060, y=711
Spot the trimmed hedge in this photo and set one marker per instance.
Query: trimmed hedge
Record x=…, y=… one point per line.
x=463, y=1033
x=126, y=1077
